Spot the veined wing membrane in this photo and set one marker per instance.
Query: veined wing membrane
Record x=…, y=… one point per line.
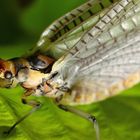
x=95, y=44
x=107, y=67
x=61, y=35
x=89, y=44
x=103, y=26
x=118, y=68
x=66, y=43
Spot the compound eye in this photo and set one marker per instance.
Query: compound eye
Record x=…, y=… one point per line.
x=8, y=75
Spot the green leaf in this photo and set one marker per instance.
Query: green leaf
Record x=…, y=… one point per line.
x=118, y=118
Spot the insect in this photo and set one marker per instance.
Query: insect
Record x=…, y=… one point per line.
x=86, y=56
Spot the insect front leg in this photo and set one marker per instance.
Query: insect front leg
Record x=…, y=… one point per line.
x=84, y=115
x=27, y=101
x=36, y=105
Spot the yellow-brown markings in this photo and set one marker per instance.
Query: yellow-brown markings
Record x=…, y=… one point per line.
x=34, y=79
x=115, y=88
x=86, y=93
x=132, y=80
x=7, y=66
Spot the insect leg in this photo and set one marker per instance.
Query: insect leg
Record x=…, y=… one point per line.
x=36, y=105
x=84, y=115
x=26, y=101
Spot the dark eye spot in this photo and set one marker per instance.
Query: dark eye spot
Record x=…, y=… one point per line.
x=8, y=75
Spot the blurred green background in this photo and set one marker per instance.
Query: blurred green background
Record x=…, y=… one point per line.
x=23, y=21
x=21, y=24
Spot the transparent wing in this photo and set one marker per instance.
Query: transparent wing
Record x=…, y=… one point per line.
x=116, y=69
x=115, y=65
x=62, y=34
x=102, y=32
x=108, y=63
x=116, y=21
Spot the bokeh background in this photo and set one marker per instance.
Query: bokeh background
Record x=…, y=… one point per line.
x=23, y=21
x=21, y=24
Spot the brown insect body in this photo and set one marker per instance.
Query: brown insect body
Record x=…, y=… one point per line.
x=24, y=71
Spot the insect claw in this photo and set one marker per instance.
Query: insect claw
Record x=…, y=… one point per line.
x=96, y=126
x=92, y=118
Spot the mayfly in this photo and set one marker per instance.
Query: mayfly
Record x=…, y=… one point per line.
x=85, y=56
